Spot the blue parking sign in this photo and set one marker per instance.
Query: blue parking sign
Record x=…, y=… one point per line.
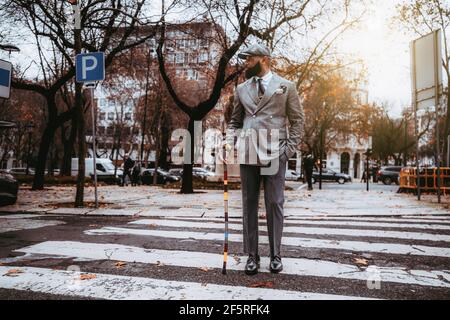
x=90, y=67
x=5, y=78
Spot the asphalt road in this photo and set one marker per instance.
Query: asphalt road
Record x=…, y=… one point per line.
x=110, y=257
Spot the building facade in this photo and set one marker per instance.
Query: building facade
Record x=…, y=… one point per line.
x=191, y=54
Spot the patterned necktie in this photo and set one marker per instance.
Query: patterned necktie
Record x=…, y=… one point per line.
x=260, y=87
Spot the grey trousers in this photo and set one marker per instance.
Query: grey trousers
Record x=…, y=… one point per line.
x=274, y=200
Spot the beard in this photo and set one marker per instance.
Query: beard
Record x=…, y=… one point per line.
x=253, y=71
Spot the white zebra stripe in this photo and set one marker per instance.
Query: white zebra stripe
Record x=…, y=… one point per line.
x=424, y=221
x=307, y=230
x=193, y=259
x=317, y=221
x=8, y=225
x=21, y=216
x=114, y=287
x=358, y=246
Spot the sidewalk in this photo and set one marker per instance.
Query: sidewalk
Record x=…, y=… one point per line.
x=333, y=200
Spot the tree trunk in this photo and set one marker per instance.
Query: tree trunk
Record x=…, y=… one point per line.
x=66, y=166
x=157, y=153
x=79, y=197
x=46, y=140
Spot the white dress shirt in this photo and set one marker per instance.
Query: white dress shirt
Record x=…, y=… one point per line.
x=265, y=79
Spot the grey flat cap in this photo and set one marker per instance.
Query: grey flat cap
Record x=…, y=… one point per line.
x=257, y=49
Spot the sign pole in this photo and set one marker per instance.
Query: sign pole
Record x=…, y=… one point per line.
x=436, y=106
x=94, y=149
x=90, y=68
x=416, y=124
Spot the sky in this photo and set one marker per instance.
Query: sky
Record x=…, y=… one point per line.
x=384, y=50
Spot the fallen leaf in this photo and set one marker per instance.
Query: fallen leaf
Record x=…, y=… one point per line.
x=120, y=264
x=361, y=261
x=93, y=226
x=237, y=259
x=87, y=276
x=152, y=225
x=159, y=263
x=205, y=269
x=13, y=272
x=263, y=284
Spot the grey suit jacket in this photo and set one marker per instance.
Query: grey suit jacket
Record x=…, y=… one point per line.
x=279, y=108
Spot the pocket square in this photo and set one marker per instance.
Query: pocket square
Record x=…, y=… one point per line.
x=281, y=90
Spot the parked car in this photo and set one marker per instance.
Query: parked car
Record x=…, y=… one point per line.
x=20, y=171
x=330, y=175
x=163, y=176
x=56, y=172
x=9, y=188
x=292, y=175
x=201, y=173
x=104, y=168
x=197, y=172
x=389, y=174
x=176, y=172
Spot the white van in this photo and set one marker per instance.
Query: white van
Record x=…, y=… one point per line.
x=105, y=168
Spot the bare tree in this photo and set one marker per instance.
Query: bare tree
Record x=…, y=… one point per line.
x=424, y=16
x=107, y=26
x=238, y=21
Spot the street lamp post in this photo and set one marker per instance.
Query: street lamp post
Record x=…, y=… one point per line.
x=29, y=127
x=321, y=158
x=144, y=122
x=368, y=154
x=10, y=48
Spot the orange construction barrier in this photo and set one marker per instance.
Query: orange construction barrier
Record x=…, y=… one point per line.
x=427, y=179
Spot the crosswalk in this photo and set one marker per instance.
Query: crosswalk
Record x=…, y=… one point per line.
x=333, y=258
x=17, y=222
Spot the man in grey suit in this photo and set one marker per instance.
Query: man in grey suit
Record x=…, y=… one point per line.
x=268, y=121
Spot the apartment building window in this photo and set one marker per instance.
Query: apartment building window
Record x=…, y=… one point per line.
x=192, y=44
x=101, y=130
x=203, y=57
x=102, y=102
x=112, y=103
x=127, y=115
x=192, y=74
x=110, y=115
x=180, y=43
x=102, y=116
x=179, y=58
